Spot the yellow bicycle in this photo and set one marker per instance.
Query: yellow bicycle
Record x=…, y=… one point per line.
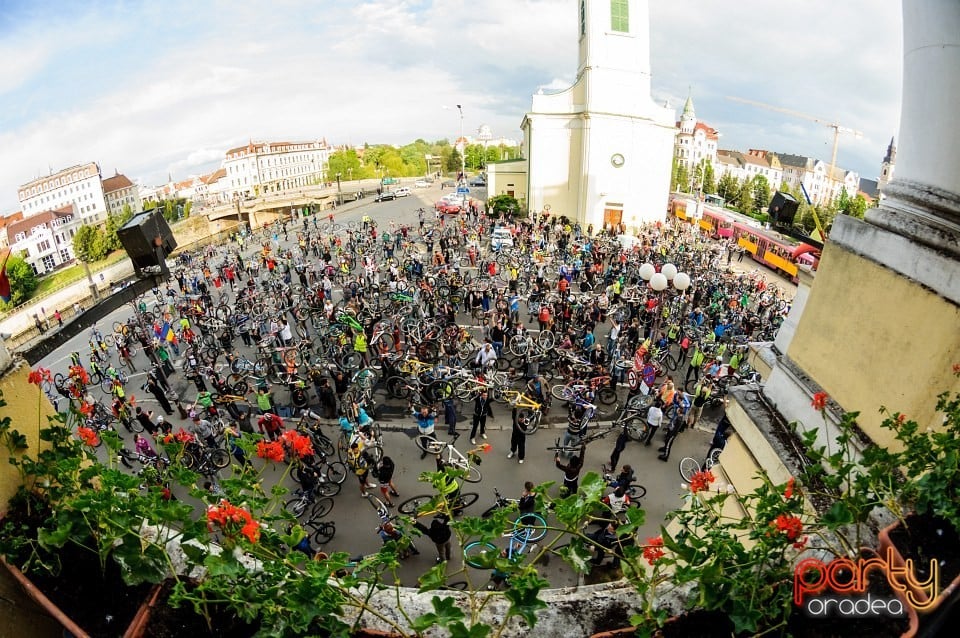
x=529, y=411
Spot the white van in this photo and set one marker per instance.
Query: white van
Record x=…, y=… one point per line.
x=403, y=191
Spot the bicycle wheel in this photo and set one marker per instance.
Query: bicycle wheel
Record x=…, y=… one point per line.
x=529, y=420
x=336, y=471
x=324, y=533
x=220, y=458
x=480, y=554
x=518, y=345
x=546, y=339
x=563, y=392
x=688, y=467
x=636, y=492
x=465, y=500
x=429, y=444
x=472, y=473
x=398, y=388
x=133, y=425
x=297, y=506
x=378, y=506
x=607, y=395
x=714, y=458
x=321, y=444
x=534, y=526
x=188, y=460
x=374, y=453
x=321, y=507
x=637, y=428
x=328, y=488
x=415, y=504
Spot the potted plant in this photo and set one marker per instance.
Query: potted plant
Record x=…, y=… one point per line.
x=926, y=536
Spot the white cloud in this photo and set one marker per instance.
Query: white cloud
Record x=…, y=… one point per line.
x=179, y=81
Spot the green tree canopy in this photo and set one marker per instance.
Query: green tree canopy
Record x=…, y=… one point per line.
x=761, y=194
x=89, y=244
x=727, y=187
x=23, y=281
x=115, y=221
x=744, y=196
x=709, y=179
x=503, y=206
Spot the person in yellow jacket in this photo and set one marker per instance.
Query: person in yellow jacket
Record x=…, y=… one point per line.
x=360, y=346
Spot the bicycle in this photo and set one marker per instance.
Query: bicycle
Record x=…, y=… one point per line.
x=690, y=466
x=305, y=500
x=204, y=460
x=529, y=413
x=323, y=531
x=483, y=554
x=428, y=504
x=455, y=459
x=575, y=447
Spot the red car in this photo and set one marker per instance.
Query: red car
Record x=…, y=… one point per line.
x=447, y=208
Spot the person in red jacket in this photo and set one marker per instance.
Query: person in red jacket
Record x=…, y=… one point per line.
x=270, y=425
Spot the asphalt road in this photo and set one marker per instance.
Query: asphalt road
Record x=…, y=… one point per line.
x=354, y=517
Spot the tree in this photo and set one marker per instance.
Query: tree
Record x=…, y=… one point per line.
x=23, y=281
x=761, y=194
x=344, y=162
x=115, y=221
x=744, y=197
x=503, y=205
x=452, y=161
x=709, y=179
x=727, y=187
x=493, y=154
x=89, y=244
x=475, y=156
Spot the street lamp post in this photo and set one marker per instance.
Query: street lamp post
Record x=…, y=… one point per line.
x=659, y=282
x=463, y=151
x=339, y=192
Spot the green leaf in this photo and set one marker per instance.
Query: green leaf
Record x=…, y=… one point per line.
x=434, y=578
x=445, y=612
x=524, y=601
x=459, y=630
x=838, y=514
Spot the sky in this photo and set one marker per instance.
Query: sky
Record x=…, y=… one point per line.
x=152, y=89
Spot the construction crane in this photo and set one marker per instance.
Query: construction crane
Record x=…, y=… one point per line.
x=837, y=128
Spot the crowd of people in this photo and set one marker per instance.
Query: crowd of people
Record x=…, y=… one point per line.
x=302, y=307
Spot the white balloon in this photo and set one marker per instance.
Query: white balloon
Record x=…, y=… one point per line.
x=681, y=281
x=646, y=271
x=658, y=282
x=669, y=271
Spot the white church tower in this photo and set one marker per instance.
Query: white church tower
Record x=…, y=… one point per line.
x=600, y=151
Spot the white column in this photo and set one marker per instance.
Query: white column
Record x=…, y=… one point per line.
x=923, y=200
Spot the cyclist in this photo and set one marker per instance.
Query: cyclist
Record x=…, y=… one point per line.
x=359, y=462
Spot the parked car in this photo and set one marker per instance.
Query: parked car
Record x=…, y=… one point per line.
x=478, y=181
x=448, y=207
x=448, y=183
x=421, y=183
x=386, y=195
x=403, y=191
x=501, y=238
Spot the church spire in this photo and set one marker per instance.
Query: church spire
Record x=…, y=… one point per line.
x=688, y=112
x=891, y=155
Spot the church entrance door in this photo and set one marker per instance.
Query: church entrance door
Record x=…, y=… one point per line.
x=612, y=217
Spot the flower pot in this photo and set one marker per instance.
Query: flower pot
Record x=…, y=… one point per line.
x=899, y=543
x=140, y=621
x=48, y=605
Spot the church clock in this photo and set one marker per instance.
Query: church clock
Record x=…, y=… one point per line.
x=617, y=160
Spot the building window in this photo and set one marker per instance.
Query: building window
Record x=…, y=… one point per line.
x=65, y=255
x=619, y=16
x=49, y=262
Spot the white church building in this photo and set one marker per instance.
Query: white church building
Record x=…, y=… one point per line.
x=600, y=151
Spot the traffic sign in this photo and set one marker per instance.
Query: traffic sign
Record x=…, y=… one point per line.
x=463, y=189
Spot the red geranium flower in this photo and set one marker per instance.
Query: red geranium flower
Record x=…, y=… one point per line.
x=701, y=481
x=36, y=377
x=956, y=368
x=88, y=436
x=232, y=519
x=800, y=544
x=78, y=372
x=86, y=409
x=654, y=549
x=182, y=436
x=819, y=401
x=272, y=450
x=788, y=492
x=789, y=524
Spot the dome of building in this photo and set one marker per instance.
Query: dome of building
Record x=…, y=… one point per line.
x=484, y=132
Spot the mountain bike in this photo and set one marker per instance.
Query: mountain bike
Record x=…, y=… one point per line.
x=455, y=459
x=526, y=531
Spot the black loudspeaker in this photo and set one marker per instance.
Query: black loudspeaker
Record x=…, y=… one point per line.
x=141, y=236
x=783, y=208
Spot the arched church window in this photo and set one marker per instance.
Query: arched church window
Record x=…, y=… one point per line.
x=620, y=15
